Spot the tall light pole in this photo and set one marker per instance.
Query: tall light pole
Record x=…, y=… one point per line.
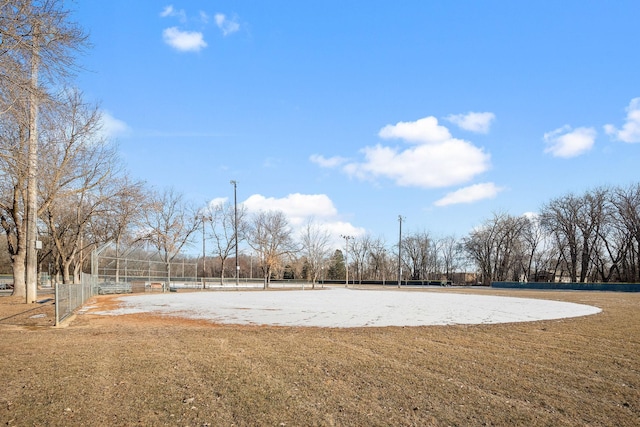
x=384, y=265
x=400, y=218
x=346, y=259
x=204, y=253
x=235, y=227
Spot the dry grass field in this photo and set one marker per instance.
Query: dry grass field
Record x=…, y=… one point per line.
x=146, y=370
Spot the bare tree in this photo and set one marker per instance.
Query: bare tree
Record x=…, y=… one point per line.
x=221, y=219
x=379, y=268
x=451, y=256
x=626, y=215
x=80, y=177
x=539, y=259
x=495, y=246
x=593, y=224
x=416, y=248
x=315, y=248
x=67, y=220
x=169, y=224
x=37, y=42
x=575, y=223
x=125, y=210
x=76, y=158
x=13, y=191
x=271, y=238
x=359, y=251
x=614, y=255
x=560, y=217
x=106, y=213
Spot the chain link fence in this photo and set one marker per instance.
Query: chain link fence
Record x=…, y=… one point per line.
x=138, y=270
x=70, y=296
x=135, y=271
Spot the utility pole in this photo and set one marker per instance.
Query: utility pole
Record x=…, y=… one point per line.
x=204, y=254
x=235, y=227
x=400, y=218
x=346, y=259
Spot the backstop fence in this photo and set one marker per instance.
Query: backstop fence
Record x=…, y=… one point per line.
x=137, y=271
x=141, y=270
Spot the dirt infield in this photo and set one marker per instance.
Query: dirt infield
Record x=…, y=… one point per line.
x=150, y=370
x=348, y=308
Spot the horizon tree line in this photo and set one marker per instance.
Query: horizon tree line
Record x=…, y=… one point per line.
x=593, y=237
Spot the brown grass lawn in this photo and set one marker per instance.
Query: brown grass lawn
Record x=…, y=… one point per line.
x=145, y=370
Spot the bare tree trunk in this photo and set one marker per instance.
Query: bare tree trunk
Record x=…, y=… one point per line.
x=77, y=272
x=222, y=260
x=32, y=181
x=19, y=270
x=66, y=271
x=17, y=251
x=168, y=284
x=117, y=259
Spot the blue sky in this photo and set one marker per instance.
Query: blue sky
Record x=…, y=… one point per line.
x=354, y=112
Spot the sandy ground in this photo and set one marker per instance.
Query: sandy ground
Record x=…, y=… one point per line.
x=340, y=307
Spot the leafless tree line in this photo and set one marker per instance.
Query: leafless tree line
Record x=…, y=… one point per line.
x=311, y=254
x=592, y=237
x=37, y=46
x=63, y=189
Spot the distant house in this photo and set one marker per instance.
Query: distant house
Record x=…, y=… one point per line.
x=466, y=279
x=551, y=277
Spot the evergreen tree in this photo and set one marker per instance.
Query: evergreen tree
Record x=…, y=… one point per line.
x=337, y=270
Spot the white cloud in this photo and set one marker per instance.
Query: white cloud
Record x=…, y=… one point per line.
x=473, y=193
x=327, y=162
x=170, y=11
x=435, y=159
x=112, y=127
x=567, y=142
x=185, y=41
x=474, y=122
x=302, y=208
x=426, y=130
x=298, y=207
x=337, y=229
x=218, y=201
x=451, y=162
x=227, y=26
x=630, y=131
x=167, y=11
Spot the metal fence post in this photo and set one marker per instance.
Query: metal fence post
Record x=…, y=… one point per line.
x=56, y=303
